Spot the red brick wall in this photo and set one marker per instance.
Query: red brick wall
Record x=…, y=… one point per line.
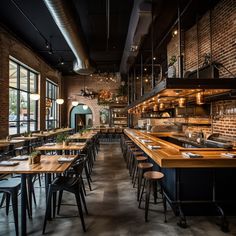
x=223, y=23
x=73, y=86
x=10, y=46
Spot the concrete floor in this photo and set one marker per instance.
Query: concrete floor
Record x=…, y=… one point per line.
x=113, y=209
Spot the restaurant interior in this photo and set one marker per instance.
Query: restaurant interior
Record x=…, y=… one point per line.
x=118, y=117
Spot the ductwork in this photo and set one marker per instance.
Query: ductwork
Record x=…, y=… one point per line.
x=68, y=27
x=140, y=21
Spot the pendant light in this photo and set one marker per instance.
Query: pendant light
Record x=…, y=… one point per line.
x=85, y=107
x=74, y=103
x=34, y=96
x=60, y=101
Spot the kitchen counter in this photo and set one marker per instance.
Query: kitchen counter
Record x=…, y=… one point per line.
x=170, y=155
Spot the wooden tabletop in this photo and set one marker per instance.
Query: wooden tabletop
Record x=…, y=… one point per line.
x=12, y=141
x=27, y=138
x=57, y=146
x=48, y=164
x=170, y=155
x=87, y=135
x=51, y=132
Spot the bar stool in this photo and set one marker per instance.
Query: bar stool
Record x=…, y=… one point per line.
x=132, y=160
x=151, y=180
x=131, y=148
x=138, y=159
x=142, y=168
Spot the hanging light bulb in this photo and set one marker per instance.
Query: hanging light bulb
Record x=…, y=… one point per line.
x=34, y=96
x=161, y=106
x=182, y=102
x=59, y=101
x=199, y=98
x=74, y=103
x=85, y=107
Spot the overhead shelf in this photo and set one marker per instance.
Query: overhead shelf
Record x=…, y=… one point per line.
x=175, y=88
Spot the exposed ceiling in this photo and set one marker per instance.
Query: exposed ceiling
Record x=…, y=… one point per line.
x=20, y=16
x=91, y=17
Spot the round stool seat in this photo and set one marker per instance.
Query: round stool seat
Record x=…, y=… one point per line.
x=141, y=158
x=137, y=153
x=134, y=149
x=128, y=141
x=153, y=175
x=145, y=165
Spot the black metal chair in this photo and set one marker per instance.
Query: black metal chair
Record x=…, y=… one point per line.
x=10, y=189
x=70, y=184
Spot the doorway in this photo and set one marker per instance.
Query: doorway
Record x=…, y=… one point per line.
x=81, y=117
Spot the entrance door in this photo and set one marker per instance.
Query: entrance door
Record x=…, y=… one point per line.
x=80, y=121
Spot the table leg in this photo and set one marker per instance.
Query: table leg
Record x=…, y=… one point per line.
x=48, y=180
x=23, y=204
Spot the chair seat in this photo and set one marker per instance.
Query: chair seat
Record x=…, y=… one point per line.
x=137, y=153
x=153, y=175
x=145, y=165
x=10, y=183
x=141, y=158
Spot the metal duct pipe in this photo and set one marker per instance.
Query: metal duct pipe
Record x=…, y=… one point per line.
x=68, y=27
x=140, y=21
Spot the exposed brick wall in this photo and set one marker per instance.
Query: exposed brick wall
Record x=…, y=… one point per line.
x=222, y=24
x=73, y=86
x=10, y=46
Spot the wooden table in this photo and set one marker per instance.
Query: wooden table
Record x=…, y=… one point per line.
x=51, y=132
x=48, y=164
x=85, y=136
x=25, y=138
x=60, y=147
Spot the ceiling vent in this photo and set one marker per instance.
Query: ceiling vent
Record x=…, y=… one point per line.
x=140, y=21
x=62, y=16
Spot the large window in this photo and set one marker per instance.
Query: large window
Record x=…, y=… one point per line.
x=52, y=113
x=23, y=111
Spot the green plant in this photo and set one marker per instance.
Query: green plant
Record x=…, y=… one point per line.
x=173, y=59
x=61, y=137
x=35, y=153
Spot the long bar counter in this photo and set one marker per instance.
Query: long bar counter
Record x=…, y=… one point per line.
x=192, y=186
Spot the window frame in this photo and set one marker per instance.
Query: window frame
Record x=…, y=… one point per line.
x=52, y=96
x=28, y=91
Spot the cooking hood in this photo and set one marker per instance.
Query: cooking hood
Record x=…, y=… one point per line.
x=170, y=90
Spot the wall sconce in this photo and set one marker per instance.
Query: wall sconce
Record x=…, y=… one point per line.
x=60, y=101
x=199, y=98
x=182, y=102
x=174, y=33
x=155, y=107
x=85, y=107
x=74, y=103
x=34, y=96
x=162, y=106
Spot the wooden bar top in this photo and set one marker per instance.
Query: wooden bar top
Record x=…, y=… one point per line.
x=170, y=155
x=48, y=164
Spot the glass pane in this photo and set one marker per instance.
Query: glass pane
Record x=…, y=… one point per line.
x=33, y=82
x=23, y=127
x=33, y=126
x=12, y=74
x=12, y=111
x=23, y=78
x=23, y=106
x=33, y=111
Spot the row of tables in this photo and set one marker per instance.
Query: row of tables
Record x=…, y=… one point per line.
x=49, y=164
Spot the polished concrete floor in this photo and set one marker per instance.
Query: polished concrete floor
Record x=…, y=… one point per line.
x=113, y=209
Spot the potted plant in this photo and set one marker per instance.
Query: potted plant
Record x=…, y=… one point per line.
x=81, y=131
x=34, y=157
x=171, y=68
x=62, y=139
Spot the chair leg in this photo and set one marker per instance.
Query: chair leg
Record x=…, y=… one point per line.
x=83, y=200
x=77, y=196
x=59, y=201
x=83, y=186
x=54, y=197
x=8, y=196
x=47, y=208
x=15, y=210
x=147, y=199
x=141, y=196
x=3, y=199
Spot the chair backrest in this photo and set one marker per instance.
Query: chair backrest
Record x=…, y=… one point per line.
x=78, y=167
